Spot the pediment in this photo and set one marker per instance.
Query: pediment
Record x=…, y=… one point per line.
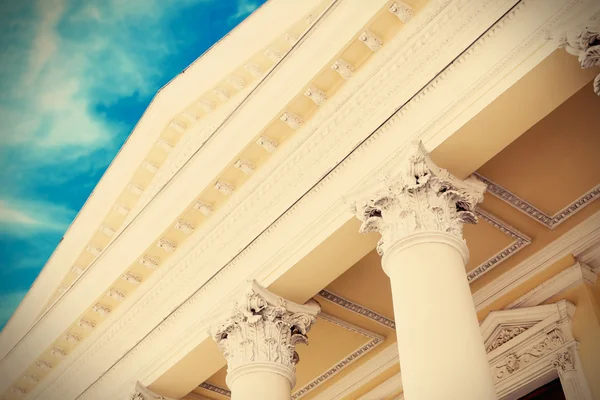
x=503, y=326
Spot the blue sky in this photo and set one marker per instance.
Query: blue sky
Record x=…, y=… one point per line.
x=75, y=77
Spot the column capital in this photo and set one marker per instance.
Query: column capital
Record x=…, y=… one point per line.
x=582, y=39
x=143, y=393
x=263, y=329
x=416, y=197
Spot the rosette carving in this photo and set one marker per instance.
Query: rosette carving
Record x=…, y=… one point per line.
x=263, y=327
x=418, y=196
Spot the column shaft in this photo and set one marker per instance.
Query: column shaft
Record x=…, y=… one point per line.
x=420, y=209
x=442, y=355
x=260, y=383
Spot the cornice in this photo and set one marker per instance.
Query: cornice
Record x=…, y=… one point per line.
x=572, y=277
x=346, y=120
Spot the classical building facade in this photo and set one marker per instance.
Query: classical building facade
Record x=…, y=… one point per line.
x=342, y=199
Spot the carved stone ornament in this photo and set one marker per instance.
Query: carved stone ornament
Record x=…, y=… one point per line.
x=513, y=362
x=345, y=69
x=370, y=40
x=245, y=166
x=403, y=11
x=263, y=328
x=184, y=226
x=204, y=208
x=564, y=361
x=584, y=42
x=504, y=336
x=317, y=96
x=418, y=196
x=166, y=245
x=294, y=121
x=142, y=393
x=268, y=144
x=133, y=279
x=225, y=188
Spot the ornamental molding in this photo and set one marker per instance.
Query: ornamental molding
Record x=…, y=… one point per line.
x=216, y=389
x=417, y=196
x=374, y=340
x=263, y=327
x=344, y=387
x=357, y=308
x=549, y=221
x=432, y=32
x=574, y=276
x=520, y=240
x=578, y=240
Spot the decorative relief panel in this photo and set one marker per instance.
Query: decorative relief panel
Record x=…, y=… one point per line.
x=513, y=361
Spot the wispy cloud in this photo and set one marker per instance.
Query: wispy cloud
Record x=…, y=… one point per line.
x=22, y=217
x=244, y=8
x=74, y=79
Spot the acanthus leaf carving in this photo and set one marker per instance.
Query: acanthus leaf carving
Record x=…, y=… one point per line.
x=263, y=327
x=505, y=335
x=515, y=361
x=584, y=42
x=564, y=361
x=418, y=197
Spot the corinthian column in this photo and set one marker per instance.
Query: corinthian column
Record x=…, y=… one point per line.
x=258, y=339
x=419, y=210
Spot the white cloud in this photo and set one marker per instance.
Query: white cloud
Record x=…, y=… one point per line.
x=46, y=39
x=81, y=58
x=244, y=8
x=22, y=218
